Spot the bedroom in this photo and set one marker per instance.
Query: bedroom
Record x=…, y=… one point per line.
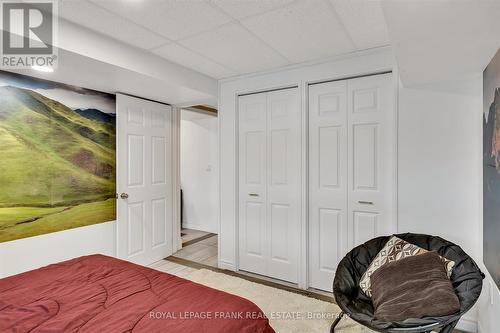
x=338, y=122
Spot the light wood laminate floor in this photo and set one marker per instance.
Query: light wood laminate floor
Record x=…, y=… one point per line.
x=189, y=235
x=203, y=252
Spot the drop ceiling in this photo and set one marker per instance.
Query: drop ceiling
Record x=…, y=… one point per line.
x=224, y=38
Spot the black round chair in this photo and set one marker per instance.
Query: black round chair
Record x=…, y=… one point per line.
x=466, y=278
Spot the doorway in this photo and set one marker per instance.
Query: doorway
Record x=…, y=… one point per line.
x=199, y=185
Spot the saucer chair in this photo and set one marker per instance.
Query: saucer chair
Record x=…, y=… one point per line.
x=466, y=278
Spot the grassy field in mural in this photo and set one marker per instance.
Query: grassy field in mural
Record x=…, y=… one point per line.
x=46, y=220
x=57, y=165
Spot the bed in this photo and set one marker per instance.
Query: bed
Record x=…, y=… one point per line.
x=102, y=294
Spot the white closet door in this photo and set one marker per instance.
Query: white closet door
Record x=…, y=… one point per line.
x=269, y=183
x=371, y=157
x=253, y=184
x=144, y=147
x=283, y=189
x=351, y=169
x=328, y=218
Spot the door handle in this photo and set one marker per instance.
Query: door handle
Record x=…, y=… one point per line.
x=253, y=194
x=366, y=202
x=124, y=195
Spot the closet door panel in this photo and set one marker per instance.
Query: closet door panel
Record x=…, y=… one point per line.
x=327, y=181
x=370, y=150
x=252, y=183
x=283, y=156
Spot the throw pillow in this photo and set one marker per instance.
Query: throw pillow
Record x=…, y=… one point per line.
x=413, y=287
x=395, y=249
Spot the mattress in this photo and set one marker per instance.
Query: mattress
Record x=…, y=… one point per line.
x=102, y=294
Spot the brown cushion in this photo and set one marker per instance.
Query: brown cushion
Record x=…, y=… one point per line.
x=394, y=249
x=413, y=287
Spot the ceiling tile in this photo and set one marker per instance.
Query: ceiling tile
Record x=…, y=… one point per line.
x=305, y=30
x=190, y=59
x=236, y=48
x=100, y=20
x=364, y=21
x=244, y=8
x=173, y=19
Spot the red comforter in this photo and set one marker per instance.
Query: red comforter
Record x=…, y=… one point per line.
x=102, y=294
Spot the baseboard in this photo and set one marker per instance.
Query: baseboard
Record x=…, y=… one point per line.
x=227, y=265
x=196, y=226
x=467, y=325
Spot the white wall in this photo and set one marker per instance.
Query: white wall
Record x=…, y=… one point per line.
x=439, y=147
x=440, y=177
x=29, y=253
x=439, y=143
x=198, y=154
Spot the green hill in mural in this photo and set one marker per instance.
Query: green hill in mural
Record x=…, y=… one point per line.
x=51, y=160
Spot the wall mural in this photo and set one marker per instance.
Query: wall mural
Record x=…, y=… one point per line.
x=491, y=167
x=57, y=157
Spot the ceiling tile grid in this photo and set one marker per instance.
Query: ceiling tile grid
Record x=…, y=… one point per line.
x=173, y=19
x=302, y=31
x=108, y=23
x=235, y=47
x=239, y=9
x=223, y=38
x=364, y=19
x=198, y=62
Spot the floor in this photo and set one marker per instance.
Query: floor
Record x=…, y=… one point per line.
x=200, y=251
x=179, y=267
x=199, y=247
x=173, y=268
x=189, y=235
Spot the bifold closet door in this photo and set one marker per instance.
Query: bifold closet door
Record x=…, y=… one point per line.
x=351, y=169
x=269, y=183
x=371, y=138
x=328, y=215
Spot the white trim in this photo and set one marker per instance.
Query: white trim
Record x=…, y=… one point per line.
x=311, y=63
x=176, y=180
x=395, y=208
x=304, y=207
x=227, y=265
x=236, y=185
x=219, y=206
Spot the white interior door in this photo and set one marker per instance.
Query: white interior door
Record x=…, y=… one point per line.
x=144, y=180
x=283, y=184
x=253, y=183
x=328, y=216
x=371, y=138
x=269, y=184
x=351, y=169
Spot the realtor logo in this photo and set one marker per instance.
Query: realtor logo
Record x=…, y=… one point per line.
x=28, y=33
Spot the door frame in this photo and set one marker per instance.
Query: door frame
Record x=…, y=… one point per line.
x=175, y=173
x=176, y=179
x=303, y=90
